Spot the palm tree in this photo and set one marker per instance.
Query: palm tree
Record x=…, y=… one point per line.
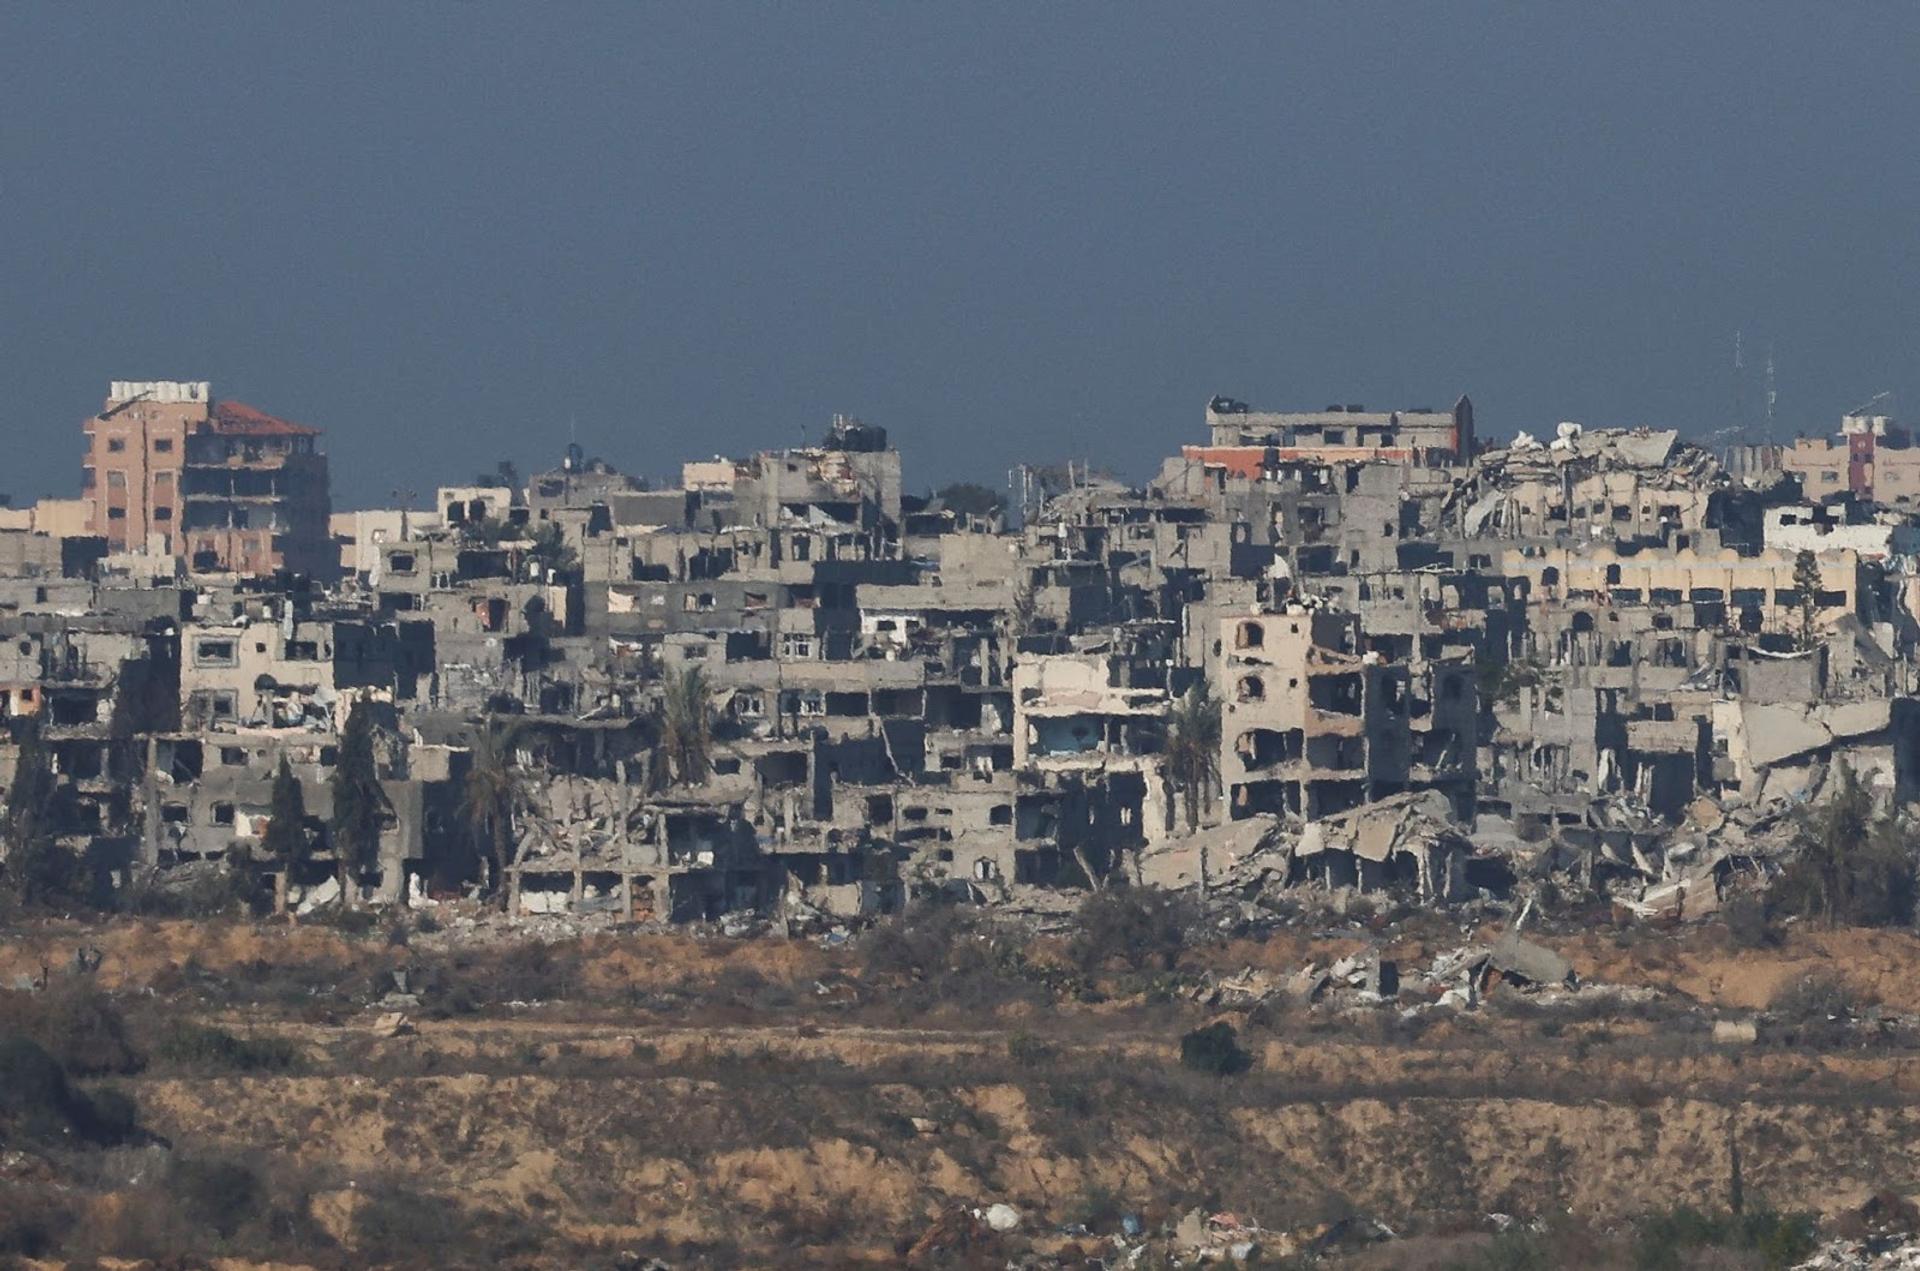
x=1193, y=747
x=493, y=790
x=686, y=730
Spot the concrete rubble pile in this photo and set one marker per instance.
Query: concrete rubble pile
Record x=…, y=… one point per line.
x=1196, y=1238
x=1861, y=1255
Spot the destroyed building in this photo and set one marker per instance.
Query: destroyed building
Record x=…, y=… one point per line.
x=230, y=487
x=790, y=687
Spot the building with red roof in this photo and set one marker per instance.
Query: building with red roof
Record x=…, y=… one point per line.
x=229, y=487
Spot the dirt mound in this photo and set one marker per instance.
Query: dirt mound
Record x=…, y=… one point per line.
x=1877, y=965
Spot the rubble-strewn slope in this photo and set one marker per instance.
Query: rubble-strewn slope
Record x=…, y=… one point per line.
x=720, y=1102
x=771, y=1146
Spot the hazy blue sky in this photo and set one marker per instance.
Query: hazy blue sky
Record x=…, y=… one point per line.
x=1040, y=230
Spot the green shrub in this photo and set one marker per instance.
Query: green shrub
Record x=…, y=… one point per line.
x=1096, y=1207
x=32, y=1222
x=1137, y=927
x=397, y=1225
x=207, y=1049
x=1749, y=925
x=38, y=1102
x=349, y=922
x=230, y=890
x=35, y=1098
x=1817, y=1011
x=1663, y=1242
x=76, y=1022
x=917, y=945
x=1028, y=1051
x=1853, y=868
x=219, y=1193
x=1509, y=1251
x=1215, y=1050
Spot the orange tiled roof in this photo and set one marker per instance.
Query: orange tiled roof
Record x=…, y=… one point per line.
x=240, y=418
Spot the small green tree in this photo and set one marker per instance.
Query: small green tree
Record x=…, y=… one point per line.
x=38, y=870
x=285, y=842
x=1193, y=748
x=32, y=797
x=1852, y=869
x=493, y=790
x=359, y=804
x=483, y=531
x=148, y=700
x=1141, y=927
x=1214, y=1050
x=1806, y=585
x=551, y=549
x=685, y=730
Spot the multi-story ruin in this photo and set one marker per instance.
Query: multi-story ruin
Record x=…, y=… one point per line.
x=1404, y=656
x=171, y=470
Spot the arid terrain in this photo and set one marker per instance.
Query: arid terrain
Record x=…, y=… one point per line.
x=308, y=1095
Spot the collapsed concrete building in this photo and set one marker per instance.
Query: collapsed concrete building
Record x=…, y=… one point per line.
x=1435, y=665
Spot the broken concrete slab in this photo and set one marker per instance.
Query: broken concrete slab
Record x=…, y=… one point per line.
x=1002, y=1217
x=1857, y=719
x=322, y=894
x=392, y=1024
x=1223, y=849
x=1706, y=814
x=1778, y=733
x=1523, y=959
x=1735, y=1032
x=1306, y=984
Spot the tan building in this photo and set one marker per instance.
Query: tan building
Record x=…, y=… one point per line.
x=1310, y=728
x=1821, y=464
x=136, y=448
x=1342, y=433
x=1762, y=585
x=61, y=518
x=170, y=469
x=1896, y=476
x=361, y=535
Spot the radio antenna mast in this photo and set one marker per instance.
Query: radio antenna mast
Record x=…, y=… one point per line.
x=1772, y=394
x=1739, y=420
